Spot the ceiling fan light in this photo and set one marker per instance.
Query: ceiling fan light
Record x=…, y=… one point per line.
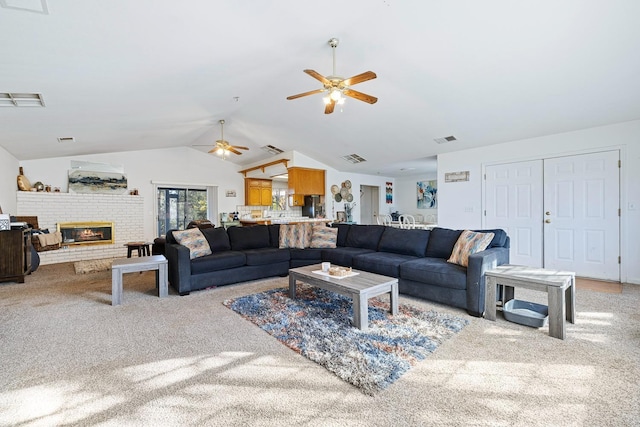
x=341, y=101
x=336, y=95
x=326, y=99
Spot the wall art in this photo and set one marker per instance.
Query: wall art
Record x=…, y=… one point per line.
x=427, y=194
x=82, y=181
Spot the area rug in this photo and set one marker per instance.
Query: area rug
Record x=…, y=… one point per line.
x=92, y=266
x=317, y=324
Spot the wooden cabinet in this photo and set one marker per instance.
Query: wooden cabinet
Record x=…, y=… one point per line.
x=305, y=182
x=257, y=192
x=15, y=255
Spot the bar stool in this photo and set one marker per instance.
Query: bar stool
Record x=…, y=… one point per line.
x=141, y=247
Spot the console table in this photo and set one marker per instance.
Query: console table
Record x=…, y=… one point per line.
x=559, y=286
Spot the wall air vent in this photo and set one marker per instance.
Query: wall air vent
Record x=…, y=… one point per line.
x=13, y=99
x=66, y=139
x=271, y=149
x=354, y=158
x=446, y=139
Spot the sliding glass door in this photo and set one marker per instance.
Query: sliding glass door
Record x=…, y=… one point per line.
x=179, y=206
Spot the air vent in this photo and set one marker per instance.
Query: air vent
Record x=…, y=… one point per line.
x=271, y=149
x=66, y=139
x=353, y=158
x=11, y=99
x=445, y=139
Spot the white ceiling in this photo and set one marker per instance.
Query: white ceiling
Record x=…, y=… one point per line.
x=125, y=75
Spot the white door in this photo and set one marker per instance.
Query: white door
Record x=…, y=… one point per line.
x=581, y=221
x=513, y=202
x=369, y=204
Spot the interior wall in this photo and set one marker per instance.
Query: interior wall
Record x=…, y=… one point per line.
x=181, y=165
x=405, y=196
x=8, y=177
x=460, y=204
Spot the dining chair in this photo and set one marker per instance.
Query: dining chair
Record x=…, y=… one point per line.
x=387, y=220
x=407, y=221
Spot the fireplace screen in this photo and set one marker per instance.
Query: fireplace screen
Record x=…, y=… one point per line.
x=80, y=233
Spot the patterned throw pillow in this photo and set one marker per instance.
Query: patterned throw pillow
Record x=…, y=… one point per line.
x=469, y=243
x=194, y=240
x=291, y=236
x=323, y=236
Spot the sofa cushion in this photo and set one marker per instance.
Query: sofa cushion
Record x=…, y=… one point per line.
x=343, y=232
x=343, y=256
x=194, y=240
x=217, y=261
x=274, y=235
x=364, y=236
x=385, y=263
x=218, y=239
x=469, y=243
x=323, y=236
x=406, y=242
x=313, y=254
x=266, y=256
x=441, y=242
x=254, y=237
x=436, y=272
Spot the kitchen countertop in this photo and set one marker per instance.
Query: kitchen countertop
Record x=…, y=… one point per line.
x=283, y=220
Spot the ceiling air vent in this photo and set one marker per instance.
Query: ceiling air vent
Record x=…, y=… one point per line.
x=12, y=99
x=66, y=139
x=353, y=158
x=271, y=149
x=445, y=139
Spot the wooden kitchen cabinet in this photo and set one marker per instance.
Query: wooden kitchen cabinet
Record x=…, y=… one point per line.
x=257, y=192
x=306, y=181
x=15, y=255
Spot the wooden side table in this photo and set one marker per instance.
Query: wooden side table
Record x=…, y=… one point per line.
x=141, y=247
x=134, y=265
x=559, y=286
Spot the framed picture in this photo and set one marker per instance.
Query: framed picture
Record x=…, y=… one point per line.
x=427, y=196
x=341, y=216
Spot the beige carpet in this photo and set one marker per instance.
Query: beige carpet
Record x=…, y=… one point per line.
x=70, y=358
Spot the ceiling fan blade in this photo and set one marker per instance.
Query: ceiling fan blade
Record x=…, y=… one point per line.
x=233, y=150
x=360, y=96
x=213, y=150
x=318, y=76
x=367, y=75
x=300, y=95
x=330, y=106
x=239, y=147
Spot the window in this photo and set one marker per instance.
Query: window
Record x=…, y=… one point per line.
x=179, y=206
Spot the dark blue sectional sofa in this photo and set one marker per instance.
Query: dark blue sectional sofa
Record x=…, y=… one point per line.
x=418, y=258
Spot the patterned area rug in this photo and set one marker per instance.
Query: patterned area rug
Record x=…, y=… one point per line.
x=317, y=324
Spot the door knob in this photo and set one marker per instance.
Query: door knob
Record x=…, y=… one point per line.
x=547, y=213
x=548, y=221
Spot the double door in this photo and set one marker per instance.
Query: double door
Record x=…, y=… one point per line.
x=560, y=213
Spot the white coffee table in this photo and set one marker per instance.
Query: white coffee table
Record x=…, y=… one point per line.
x=134, y=265
x=359, y=288
x=559, y=286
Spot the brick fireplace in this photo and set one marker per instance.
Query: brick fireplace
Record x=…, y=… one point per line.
x=124, y=211
x=86, y=233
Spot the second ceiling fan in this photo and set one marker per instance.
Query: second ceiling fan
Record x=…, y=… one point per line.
x=338, y=87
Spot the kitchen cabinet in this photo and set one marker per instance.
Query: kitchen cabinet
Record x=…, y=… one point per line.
x=305, y=182
x=15, y=255
x=257, y=192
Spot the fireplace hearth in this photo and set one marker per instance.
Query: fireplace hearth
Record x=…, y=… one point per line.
x=86, y=233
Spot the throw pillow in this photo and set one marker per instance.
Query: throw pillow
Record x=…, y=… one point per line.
x=291, y=236
x=194, y=240
x=469, y=243
x=323, y=236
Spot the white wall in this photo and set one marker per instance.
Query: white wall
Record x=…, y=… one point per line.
x=8, y=178
x=405, y=197
x=173, y=165
x=460, y=204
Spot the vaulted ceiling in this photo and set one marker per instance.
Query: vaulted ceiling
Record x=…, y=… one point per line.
x=131, y=75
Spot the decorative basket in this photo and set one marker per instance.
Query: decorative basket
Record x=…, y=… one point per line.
x=36, y=245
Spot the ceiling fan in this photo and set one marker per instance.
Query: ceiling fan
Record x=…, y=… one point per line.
x=222, y=147
x=338, y=87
